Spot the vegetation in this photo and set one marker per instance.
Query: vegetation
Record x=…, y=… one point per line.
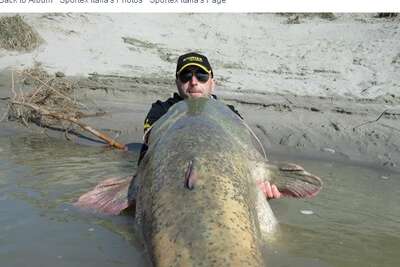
x=16, y=34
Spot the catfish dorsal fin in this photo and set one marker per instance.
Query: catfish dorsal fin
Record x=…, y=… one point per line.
x=291, y=179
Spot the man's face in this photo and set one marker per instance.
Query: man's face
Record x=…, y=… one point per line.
x=191, y=83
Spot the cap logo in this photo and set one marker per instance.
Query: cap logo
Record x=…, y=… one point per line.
x=198, y=59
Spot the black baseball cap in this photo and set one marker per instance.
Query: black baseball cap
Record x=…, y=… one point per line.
x=193, y=59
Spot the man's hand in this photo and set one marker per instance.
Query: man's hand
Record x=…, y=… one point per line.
x=270, y=191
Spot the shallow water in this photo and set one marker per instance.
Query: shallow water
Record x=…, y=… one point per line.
x=354, y=221
x=40, y=178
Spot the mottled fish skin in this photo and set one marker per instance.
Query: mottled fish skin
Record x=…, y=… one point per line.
x=216, y=221
x=198, y=194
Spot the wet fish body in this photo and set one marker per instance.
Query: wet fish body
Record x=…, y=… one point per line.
x=197, y=200
x=196, y=192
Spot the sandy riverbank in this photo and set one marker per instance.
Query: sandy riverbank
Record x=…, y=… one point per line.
x=312, y=86
x=317, y=127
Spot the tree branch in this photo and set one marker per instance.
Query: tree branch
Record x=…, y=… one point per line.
x=71, y=119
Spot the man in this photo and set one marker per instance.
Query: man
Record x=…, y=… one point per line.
x=194, y=78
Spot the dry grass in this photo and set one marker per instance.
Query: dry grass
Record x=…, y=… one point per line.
x=387, y=15
x=16, y=34
x=37, y=88
x=49, y=101
x=297, y=18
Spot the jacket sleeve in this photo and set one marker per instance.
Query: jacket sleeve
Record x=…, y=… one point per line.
x=157, y=111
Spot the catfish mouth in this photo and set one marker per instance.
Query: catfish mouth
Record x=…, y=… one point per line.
x=190, y=176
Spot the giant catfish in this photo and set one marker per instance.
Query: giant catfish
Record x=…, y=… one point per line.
x=196, y=192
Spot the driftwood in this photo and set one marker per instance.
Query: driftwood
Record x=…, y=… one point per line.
x=368, y=122
x=385, y=112
x=50, y=102
x=84, y=126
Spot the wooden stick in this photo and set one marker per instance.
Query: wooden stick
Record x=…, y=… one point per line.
x=84, y=126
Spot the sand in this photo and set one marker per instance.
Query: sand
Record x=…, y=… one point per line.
x=310, y=86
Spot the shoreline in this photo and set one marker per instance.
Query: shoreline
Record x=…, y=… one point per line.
x=326, y=86
x=333, y=129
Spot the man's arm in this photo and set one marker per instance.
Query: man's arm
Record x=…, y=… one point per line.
x=152, y=116
x=157, y=110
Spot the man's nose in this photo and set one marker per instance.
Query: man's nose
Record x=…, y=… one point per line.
x=193, y=80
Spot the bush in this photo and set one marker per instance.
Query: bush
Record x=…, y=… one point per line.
x=16, y=34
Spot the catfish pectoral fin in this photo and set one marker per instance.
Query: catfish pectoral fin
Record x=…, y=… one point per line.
x=292, y=180
x=108, y=197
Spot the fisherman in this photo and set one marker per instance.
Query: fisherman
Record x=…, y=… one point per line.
x=194, y=78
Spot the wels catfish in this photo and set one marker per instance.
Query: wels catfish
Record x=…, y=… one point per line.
x=196, y=192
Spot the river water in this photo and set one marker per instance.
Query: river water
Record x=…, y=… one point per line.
x=354, y=221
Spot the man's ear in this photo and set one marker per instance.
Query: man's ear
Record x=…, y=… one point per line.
x=212, y=85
